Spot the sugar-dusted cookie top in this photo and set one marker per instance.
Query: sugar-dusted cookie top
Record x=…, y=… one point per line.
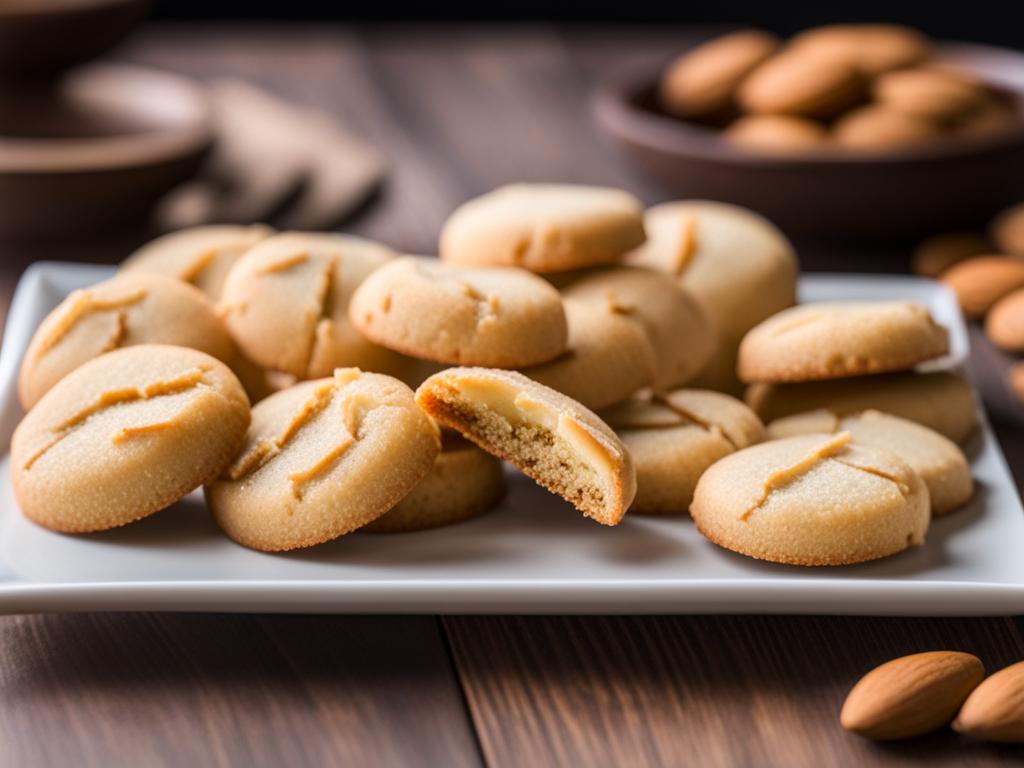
x=543, y=227
x=323, y=458
x=812, y=500
x=499, y=317
x=125, y=435
x=831, y=340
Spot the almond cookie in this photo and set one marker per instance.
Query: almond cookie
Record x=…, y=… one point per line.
x=812, y=500
x=809, y=86
x=981, y=281
x=878, y=128
x=132, y=308
x=543, y=227
x=737, y=265
x=496, y=317
x=202, y=256
x=464, y=482
x=873, y=48
x=286, y=304
x=832, y=340
x=936, y=458
x=938, y=253
x=1007, y=230
x=608, y=359
x=126, y=435
x=674, y=437
x=942, y=401
x=551, y=438
x=323, y=458
x=777, y=133
x=678, y=331
x=703, y=81
x=929, y=93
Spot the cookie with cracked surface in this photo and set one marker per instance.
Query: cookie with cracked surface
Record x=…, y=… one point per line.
x=464, y=482
x=679, y=332
x=202, y=256
x=936, y=458
x=674, y=437
x=737, y=265
x=832, y=340
x=286, y=304
x=551, y=438
x=126, y=435
x=812, y=500
x=941, y=401
x=608, y=359
x=543, y=227
x=130, y=309
x=321, y=459
x=498, y=317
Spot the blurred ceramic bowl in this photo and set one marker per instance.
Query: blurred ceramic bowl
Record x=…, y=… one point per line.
x=41, y=38
x=835, y=195
x=99, y=149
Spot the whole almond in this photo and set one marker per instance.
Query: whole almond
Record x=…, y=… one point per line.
x=911, y=695
x=980, y=282
x=938, y=253
x=1007, y=230
x=995, y=709
x=1005, y=322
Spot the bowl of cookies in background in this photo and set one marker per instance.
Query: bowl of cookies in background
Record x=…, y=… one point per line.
x=847, y=132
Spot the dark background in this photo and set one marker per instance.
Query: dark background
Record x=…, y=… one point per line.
x=985, y=21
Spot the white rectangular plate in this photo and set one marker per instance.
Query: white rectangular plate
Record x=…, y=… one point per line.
x=533, y=554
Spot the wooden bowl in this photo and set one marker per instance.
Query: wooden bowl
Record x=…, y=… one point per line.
x=41, y=38
x=834, y=195
x=98, y=149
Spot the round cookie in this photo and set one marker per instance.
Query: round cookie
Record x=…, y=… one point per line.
x=936, y=458
x=495, y=317
x=674, y=437
x=130, y=309
x=812, y=500
x=324, y=458
x=737, y=265
x=676, y=326
x=286, y=304
x=792, y=83
x=464, y=482
x=549, y=437
x=777, y=133
x=873, y=48
x=929, y=93
x=703, y=81
x=608, y=359
x=942, y=401
x=831, y=340
x=126, y=435
x=202, y=256
x=878, y=128
x=543, y=227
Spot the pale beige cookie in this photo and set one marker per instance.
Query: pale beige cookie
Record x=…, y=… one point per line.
x=202, y=256
x=1007, y=230
x=543, y=227
x=676, y=326
x=873, y=48
x=812, y=500
x=938, y=253
x=497, y=317
x=548, y=436
x=132, y=308
x=936, y=458
x=464, y=482
x=738, y=266
x=608, y=359
x=980, y=282
x=286, y=304
x=791, y=83
x=929, y=93
x=674, y=437
x=703, y=81
x=323, y=458
x=777, y=133
x=126, y=435
x=942, y=401
x=878, y=128
x=831, y=340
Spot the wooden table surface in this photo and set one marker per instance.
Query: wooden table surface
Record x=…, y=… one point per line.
x=458, y=111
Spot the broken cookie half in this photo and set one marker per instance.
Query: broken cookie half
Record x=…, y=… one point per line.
x=812, y=500
x=550, y=437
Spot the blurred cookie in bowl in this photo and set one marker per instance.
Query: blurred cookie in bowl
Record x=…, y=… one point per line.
x=777, y=133
x=873, y=48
